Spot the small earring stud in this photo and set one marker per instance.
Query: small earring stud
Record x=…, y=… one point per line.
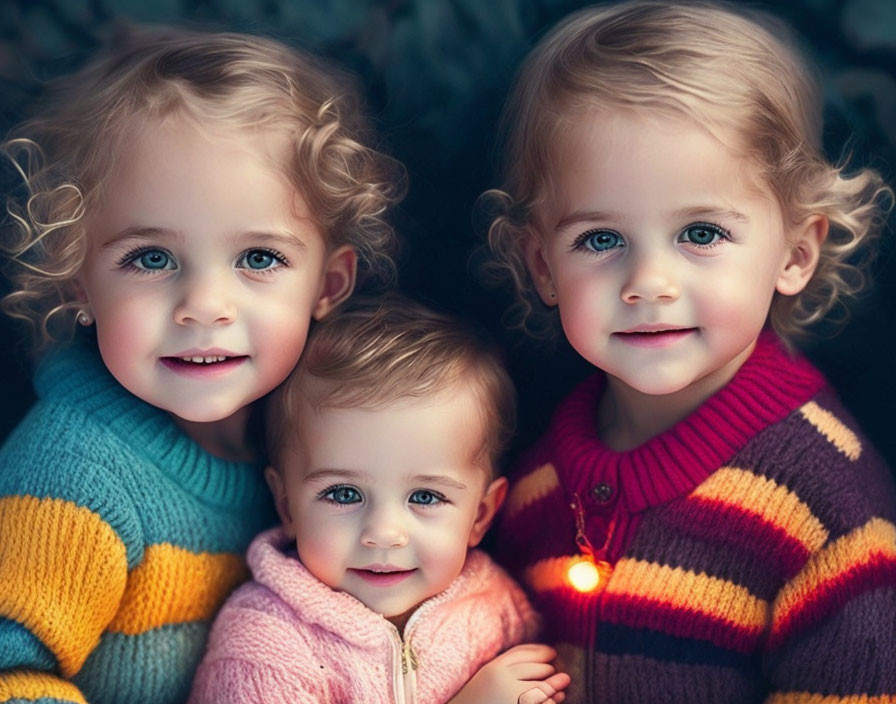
x=85, y=318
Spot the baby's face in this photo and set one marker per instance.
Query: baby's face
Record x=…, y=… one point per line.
x=385, y=503
x=204, y=269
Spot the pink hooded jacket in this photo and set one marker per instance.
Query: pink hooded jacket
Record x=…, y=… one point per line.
x=288, y=638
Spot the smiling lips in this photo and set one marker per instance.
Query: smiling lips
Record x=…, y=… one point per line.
x=382, y=576
x=654, y=336
x=203, y=363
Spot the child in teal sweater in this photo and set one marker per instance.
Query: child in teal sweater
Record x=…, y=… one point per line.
x=194, y=202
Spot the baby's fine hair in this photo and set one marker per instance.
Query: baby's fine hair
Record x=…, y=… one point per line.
x=734, y=71
x=68, y=149
x=372, y=353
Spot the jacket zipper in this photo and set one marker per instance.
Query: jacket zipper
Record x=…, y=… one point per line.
x=404, y=671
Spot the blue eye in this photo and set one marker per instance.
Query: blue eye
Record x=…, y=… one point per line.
x=341, y=494
x=425, y=497
x=703, y=234
x=150, y=260
x=599, y=240
x=260, y=260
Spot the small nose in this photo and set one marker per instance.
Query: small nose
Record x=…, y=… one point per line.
x=384, y=528
x=205, y=300
x=651, y=279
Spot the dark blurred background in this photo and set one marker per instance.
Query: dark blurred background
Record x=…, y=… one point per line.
x=436, y=73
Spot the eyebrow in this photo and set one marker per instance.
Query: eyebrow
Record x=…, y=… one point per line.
x=709, y=211
x=581, y=216
x=327, y=473
x=349, y=474
x=439, y=479
x=259, y=236
x=139, y=233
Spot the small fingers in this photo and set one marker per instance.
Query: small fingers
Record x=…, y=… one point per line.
x=531, y=670
x=529, y=652
x=558, y=681
x=534, y=696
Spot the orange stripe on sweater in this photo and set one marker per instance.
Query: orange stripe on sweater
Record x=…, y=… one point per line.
x=532, y=487
x=836, y=432
x=62, y=573
x=687, y=591
x=174, y=585
x=833, y=569
x=810, y=698
x=21, y=684
x=766, y=499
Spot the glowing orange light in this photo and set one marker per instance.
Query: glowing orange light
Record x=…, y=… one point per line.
x=583, y=575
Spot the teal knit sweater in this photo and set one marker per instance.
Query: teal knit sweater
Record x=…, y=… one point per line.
x=119, y=539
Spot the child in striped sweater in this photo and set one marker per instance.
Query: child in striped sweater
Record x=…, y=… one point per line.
x=193, y=201
x=703, y=521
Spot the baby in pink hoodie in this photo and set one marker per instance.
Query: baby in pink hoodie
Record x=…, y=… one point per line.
x=384, y=441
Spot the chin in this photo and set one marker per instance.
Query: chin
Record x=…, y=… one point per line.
x=206, y=414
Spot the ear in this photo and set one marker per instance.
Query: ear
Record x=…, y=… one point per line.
x=281, y=500
x=338, y=281
x=491, y=501
x=805, y=248
x=539, y=270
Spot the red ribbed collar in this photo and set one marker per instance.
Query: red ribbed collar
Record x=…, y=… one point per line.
x=768, y=387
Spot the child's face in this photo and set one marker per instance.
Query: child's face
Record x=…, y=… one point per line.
x=661, y=252
x=204, y=270
x=385, y=503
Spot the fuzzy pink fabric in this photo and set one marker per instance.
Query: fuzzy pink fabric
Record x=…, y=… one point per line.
x=286, y=637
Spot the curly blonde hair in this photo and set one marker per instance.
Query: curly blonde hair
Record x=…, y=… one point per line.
x=734, y=71
x=378, y=351
x=65, y=153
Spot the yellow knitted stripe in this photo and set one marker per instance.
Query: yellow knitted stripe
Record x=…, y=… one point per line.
x=871, y=542
x=838, y=434
x=684, y=590
x=62, y=573
x=19, y=684
x=174, y=585
x=809, y=698
x=766, y=499
x=534, y=486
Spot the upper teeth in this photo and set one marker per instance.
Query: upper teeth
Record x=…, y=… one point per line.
x=203, y=360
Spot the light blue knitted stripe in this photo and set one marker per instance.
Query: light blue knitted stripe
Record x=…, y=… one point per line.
x=20, y=648
x=137, y=669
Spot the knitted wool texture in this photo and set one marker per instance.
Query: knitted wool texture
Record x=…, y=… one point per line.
x=753, y=546
x=287, y=637
x=119, y=539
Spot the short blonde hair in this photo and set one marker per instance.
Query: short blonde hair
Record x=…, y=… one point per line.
x=372, y=353
x=734, y=71
x=65, y=153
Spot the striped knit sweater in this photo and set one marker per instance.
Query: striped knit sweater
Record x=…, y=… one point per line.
x=119, y=539
x=753, y=548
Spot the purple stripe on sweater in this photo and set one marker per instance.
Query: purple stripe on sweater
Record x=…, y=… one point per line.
x=638, y=612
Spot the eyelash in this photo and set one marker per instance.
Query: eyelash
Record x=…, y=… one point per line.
x=723, y=234
x=127, y=261
x=278, y=256
x=326, y=495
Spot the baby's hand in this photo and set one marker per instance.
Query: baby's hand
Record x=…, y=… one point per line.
x=521, y=675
